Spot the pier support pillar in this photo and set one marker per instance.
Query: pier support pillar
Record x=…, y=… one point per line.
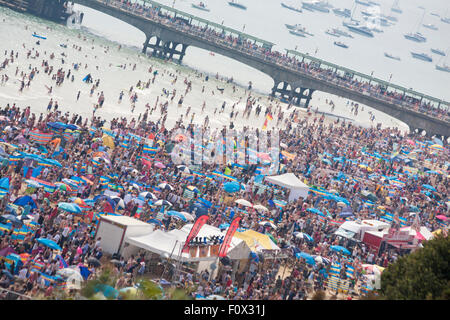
x=147, y=40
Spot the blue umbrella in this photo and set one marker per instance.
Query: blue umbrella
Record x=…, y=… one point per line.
x=427, y=186
x=309, y=258
x=56, y=125
x=4, y=183
x=69, y=207
x=340, y=249
x=314, y=210
x=205, y=202
x=177, y=214
x=23, y=201
x=231, y=187
x=49, y=243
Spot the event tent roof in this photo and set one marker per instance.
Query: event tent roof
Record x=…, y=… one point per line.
x=287, y=180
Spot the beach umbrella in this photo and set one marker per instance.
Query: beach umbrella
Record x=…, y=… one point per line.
x=301, y=235
x=107, y=291
x=340, y=249
x=260, y=207
x=94, y=262
x=4, y=183
x=267, y=224
x=224, y=225
x=108, y=141
x=442, y=217
x=159, y=165
x=162, y=203
x=427, y=186
x=166, y=186
x=13, y=219
x=231, y=187
x=147, y=195
x=303, y=255
x=320, y=259
x=314, y=210
x=244, y=202
x=49, y=243
x=155, y=221
x=69, y=207
x=33, y=184
x=184, y=169
x=176, y=214
x=188, y=216
x=23, y=201
x=119, y=203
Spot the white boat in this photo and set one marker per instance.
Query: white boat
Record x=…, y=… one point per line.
x=342, y=33
x=445, y=20
x=333, y=33
x=340, y=44
x=422, y=56
x=321, y=6
x=364, y=3
x=391, y=56
x=430, y=26
x=358, y=28
x=418, y=37
x=342, y=12
x=443, y=67
x=439, y=52
x=291, y=7
x=233, y=3
x=200, y=6
x=301, y=32
x=396, y=8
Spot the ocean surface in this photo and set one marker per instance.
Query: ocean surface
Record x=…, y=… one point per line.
x=264, y=19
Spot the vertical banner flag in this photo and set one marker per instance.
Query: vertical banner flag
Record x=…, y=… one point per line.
x=230, y=233
x=194, y=231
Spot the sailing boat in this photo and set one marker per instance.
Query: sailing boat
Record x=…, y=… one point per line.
x=443, y=67
x=355, y=26
x=395, y=7
x=417, y=36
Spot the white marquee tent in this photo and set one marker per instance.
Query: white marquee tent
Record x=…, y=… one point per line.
x=290, y=181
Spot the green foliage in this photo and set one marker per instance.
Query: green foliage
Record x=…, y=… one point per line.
x=422, y=275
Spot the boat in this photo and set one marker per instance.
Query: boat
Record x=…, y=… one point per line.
x=396, y=8
x=430, y=26
x=391, y=18
x=437, y=51
x=342, y=12
x=291, y=7
x=445, y=20
x=357, y=28
x=321, y=6
x=333, y=33
x=340, y=44
x=200, y=6
x=443, y=67
x=300, y=31
x=293, y=26
x=422, y=56
x=374, y=4
x=364, y=3
x=233, y=3
x=418, y=37
x=435, y=14
x=342, y=33
x=391, y=56
x=367, y=13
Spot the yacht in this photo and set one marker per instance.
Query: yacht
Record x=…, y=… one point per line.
x=358, y=28
x=437, y=51
x=364, y=3
x=430, y=26
x=291, y=7
x=340, y=44
x=342, y=12
x=300, y=31
x=418, y=37
x=342, y=33
x=422, y=56
x=333, y=33
x=233, y=3
x=200, y=6
x=443, y=67
x=391, y=56
x=321, y=6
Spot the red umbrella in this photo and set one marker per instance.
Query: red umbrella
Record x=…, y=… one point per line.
x=107, y=208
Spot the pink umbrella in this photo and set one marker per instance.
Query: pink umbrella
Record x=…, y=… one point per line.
x=441, y=217
x=159, y=165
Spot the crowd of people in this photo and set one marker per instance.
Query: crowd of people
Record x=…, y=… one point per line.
x=54, y=158
x=283, y=59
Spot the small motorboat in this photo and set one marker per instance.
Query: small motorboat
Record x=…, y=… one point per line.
x=430, y=26
x=390, y=56
x=233, y=3
x=439, y=52
x=443, y=67
x=422, y=56
x=333, y=33
x=200, y=6
x=340, y=44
